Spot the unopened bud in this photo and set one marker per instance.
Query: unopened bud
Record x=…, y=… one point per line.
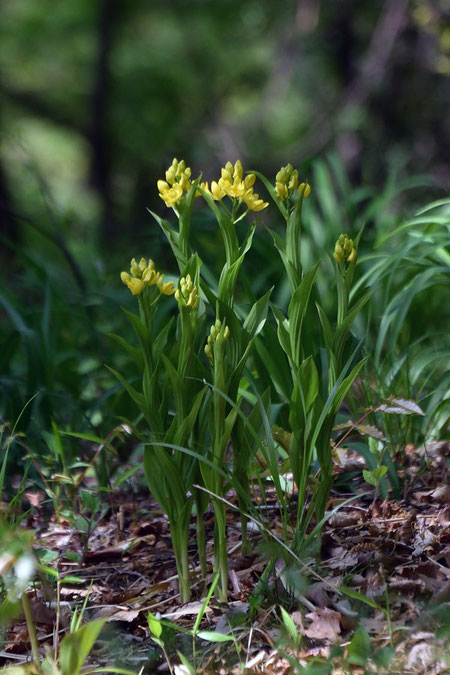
x=134, y=268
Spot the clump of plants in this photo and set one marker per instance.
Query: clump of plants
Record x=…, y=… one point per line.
x=224, y=363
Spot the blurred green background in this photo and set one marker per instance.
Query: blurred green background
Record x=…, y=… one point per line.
x=98, y=96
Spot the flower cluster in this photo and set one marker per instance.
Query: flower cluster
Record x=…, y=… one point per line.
x=233, y=184
x=286, y=182
x=187, y=292
x=143, y=274
x=213, y=333
x=177, y=182
x=344, y=250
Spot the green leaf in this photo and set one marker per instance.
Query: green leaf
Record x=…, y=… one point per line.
x=383, y=657
x=298, y=307
x=205, y=603
x=289, y=624
x=359, y=648
x=69, y=579
x=357, y=596
x=134, y=352
x=75, y=647
x=256, y=318
x=190, y=668
x=135, y=395
x=154, y=625
x=375, y=475
x=283, y=331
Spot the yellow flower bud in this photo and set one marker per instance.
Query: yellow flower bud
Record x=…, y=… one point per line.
x=170, y=175
x=125, y=278
x=192, y=301
x=226, y=333
x=249, y=180
x=226, y=175
x=344, y=250
x=209, y=353
x=134, y=268
x=281, y=175
x=306, y=189
x=293, y=181
x=238, y=171
x=281, y=190
x=352, y=257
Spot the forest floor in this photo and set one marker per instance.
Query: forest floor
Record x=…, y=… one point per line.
x=391, y=557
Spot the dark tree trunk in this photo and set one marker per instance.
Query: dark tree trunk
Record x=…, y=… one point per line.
x=99, y=133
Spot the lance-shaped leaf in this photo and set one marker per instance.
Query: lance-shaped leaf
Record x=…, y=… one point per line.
x=298, y=307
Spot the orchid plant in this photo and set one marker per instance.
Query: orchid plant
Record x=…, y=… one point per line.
x=194, y=432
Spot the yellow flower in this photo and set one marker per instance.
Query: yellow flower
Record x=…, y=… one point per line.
x=253, y=202
x=166, y=288
x=150, y=276
x=177, y=182
x=233, y=190
x=217, y=190
x=205, y=187
x=170, y=195
x=135, y=285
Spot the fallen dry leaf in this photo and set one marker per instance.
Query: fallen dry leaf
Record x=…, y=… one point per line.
x=325, y=624
x=441, y=494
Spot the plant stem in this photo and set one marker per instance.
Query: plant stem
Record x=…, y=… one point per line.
x=182, y=562
x=31, y=632
x=201, y=536
x=220, y=550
